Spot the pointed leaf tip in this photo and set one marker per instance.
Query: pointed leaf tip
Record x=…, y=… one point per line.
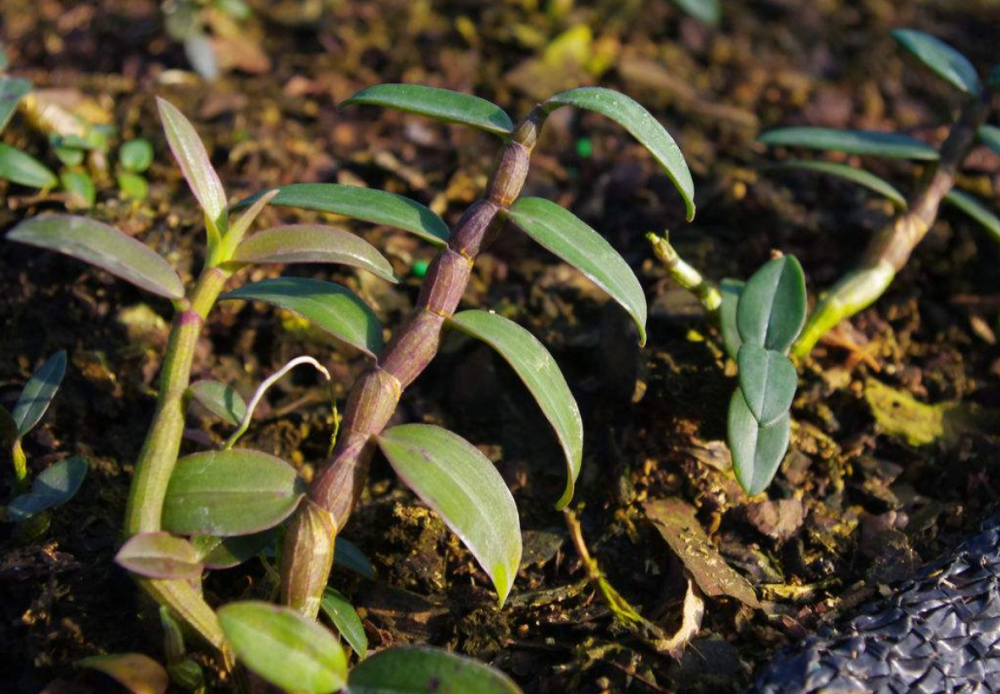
x=941, y=58
x=34, y=400
x=440, y=104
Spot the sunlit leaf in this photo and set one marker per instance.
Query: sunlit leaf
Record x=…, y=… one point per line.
x=332, y=307
x=231, y=492
x=22, y=168
x=160, y=555
x=420, y=670
x=730, y=290
x=643, y=127
x=313, y=243
x=455, y=479
x=848, y=173
x=138, y=673
x=54, y=486
x=104, y=247
x=12, y=90
x=989, y=135
x=772, y=306
x=768, y=381
x=343, y=615
x=132, y=185
x=439, y=104
x=870, y=142
x=227, y=552
x=37, y=394
x=347, y=555
x=285, y=648
x=568, y=237
x=757, y=451
x=194, y=162
x=941, y=58
x=366, y=204
x=972, y=207
x=539, y=371
x=221, y=400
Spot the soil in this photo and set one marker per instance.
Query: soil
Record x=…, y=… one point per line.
x=859, y=503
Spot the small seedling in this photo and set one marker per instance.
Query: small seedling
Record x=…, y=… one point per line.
x=134, y=158
x=890, y=249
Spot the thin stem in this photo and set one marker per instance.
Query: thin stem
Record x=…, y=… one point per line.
x=686, y=275
x=20, y=467
x=891, y=248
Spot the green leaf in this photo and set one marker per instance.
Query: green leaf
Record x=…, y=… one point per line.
x=972, y=207
x=69, y=156
x=227, y=552
x=37, y=395
x=138, y=673
x=564, y=234
x=989, y=135
x=334, y=308
x=12, y=90
x=285, y=648
x=772, y=306
x=347, y=555
x=103, y=246
x=346, y=619
x=56, y=485
x=419, y=670
x=849, y=173
x=768, y=381
x=194, y=162
x=221, y=400
x=643, y=127
x=160, y=555
x=136, y=155
x=941, y=58
x=232, y=492
x=757, y=451
x=440, y=104
x=870, y=142
x=22, y=168
x=133, y=185
x=730, y=290
x=80, y=187
x=707, y=11
x=455, y=479
x=313, y=243
x=540, y=373
x=375, y=206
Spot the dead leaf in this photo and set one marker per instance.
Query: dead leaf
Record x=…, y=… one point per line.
x=691, y=616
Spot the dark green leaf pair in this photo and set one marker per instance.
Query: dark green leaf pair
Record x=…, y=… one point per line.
x=300, y=655
x=54, y=486
x=760, y=322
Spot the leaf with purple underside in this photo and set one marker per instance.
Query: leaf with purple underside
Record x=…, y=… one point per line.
x=160, y=555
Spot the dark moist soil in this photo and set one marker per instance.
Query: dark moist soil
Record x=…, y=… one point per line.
x=856, y=507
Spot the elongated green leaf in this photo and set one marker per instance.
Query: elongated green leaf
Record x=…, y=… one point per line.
x=34, y=400
x=375, y=206
x=22, y=168
x=440, y=104
x=343, y=615
x=138, y=673
x=757, y=451
x=539, y=371
x=707, y=11
x=194, y=162
x=731, y=340
x=160, y=555
x=332, y=307
x=972, y=207
x=103, y=246
x=641, y=125
x=849, y=173
x=56, y=485
x=870, y=142
x=768, y=381
x=12, y=90
x=420, y=670
x=989, y=135
x=347, y=555
x=232, y=492
x=772, y=306
x=284, y=647
x=941, y=58
x=452, y=477
x=221, y=400
x=568, y=237
x=313, y=243
x=227, y=552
